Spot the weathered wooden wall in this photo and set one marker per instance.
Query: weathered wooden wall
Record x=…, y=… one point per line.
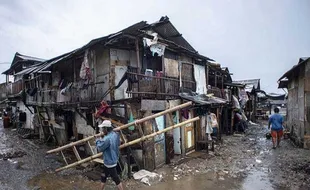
x=296, y=106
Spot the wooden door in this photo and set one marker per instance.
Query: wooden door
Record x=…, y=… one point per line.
x=159, y=146
x=189, y=133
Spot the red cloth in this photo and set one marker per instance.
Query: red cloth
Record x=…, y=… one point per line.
x=103, y=108
x=276, y=134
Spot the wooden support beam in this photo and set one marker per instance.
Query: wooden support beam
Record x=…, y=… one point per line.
x=130, y=143
x=170, y=119
x=138, y=55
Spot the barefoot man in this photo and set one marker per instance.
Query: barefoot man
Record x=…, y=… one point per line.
x=276, y=122
x=109, y=145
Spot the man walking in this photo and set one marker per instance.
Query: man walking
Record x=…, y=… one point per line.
x=109, y=145
x=276, y=122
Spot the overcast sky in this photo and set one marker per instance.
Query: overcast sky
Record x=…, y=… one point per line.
x=254, y=38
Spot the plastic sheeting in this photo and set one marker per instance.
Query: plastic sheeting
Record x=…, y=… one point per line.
x=155, y=47
x=85, y=69
x=200, y=78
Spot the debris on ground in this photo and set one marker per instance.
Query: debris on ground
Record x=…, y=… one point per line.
x=147, y=177
x=234, y=160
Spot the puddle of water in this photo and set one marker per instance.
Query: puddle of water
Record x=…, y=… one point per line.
x=53, y=181
x=199, y=182
x=257, y=180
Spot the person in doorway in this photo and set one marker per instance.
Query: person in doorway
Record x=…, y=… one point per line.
x=211, y=125
x=109, y=145
x=276, y=123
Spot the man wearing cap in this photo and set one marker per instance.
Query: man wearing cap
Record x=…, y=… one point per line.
x=109, y=145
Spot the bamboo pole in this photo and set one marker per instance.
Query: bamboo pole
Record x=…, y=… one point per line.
x=74, y=143
x=129, y=143
x=154, y=116
x=122, y=127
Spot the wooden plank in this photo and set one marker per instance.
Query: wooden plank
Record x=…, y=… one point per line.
x=63, y=156
x=140, y=129
x=112, y=121
x=130, y=143
x=154, y=105
x=90, y=148
x=170, y=119
x=76, y=153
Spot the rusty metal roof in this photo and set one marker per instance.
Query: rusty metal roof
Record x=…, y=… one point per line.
x=301, y=61
x=20, y=58
x=202, y=99
x=255, y=83
x=163, y=27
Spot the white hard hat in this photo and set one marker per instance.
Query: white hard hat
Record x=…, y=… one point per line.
x=105, y=123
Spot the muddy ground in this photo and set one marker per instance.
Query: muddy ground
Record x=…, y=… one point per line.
x=245, y=162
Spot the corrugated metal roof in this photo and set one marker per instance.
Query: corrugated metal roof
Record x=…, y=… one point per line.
x=166, y=30
x=164, y=27
x=251, y=83
x=202, y=99
x=301, y=61
x=26, y=71
x=29, y=58
x=19, y=58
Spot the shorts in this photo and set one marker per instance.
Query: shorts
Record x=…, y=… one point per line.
x=110, y=172
x=276, y=134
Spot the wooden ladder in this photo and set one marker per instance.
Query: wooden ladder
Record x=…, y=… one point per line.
x=44, y=124
x=137, y=123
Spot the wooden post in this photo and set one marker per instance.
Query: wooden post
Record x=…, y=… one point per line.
x=180, y=73
x=130, y=143
x=207, y=76
x=215, y=79
x=255, y=107
x=138, y=56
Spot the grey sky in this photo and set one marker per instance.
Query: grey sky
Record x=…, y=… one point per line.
x=254, y=38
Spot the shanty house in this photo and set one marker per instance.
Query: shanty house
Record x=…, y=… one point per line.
x=16, y=76
x=122, y=77
x=297, y=82
x=252, y=87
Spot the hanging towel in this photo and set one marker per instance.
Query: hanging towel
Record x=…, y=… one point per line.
x=131, y=119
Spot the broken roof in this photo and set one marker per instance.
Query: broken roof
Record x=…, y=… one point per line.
x=166, y=30
x=283, y=83
x=168, y=34
x=250, y=84
x=301, y=62
x=202, y=99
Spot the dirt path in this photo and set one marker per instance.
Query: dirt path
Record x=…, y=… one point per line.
x=238, y=163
